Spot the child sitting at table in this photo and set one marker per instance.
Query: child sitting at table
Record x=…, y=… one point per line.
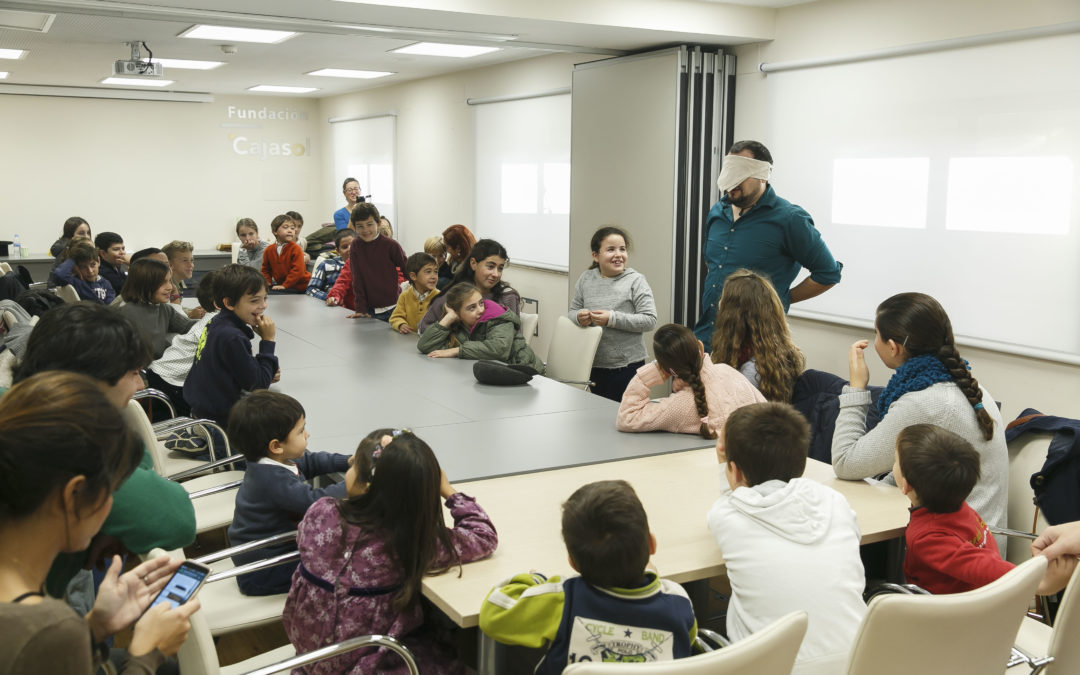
x=168, y=372
x=146, y=296
x=475, y=328
x=703, y=393
x=181, y=255
x=251, y=246
x=110, y=248
x=80, y=270
x=618, y=609
x=328, y=265
x=950, y=548
x=789, y=543
x=363, y=559
x=268, y=428
x=413, y=302
x=283, y=263
x=224, y=369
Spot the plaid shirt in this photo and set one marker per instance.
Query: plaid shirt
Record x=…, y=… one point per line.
x=327, y=268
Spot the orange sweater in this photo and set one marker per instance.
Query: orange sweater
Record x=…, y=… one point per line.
x=287, y=268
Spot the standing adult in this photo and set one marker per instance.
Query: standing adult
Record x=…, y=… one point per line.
x=752, y=227
x=351, y=189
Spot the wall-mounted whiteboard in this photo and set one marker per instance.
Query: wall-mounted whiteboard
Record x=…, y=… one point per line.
x=954, y=173
x=523, y=178
x=364, y=149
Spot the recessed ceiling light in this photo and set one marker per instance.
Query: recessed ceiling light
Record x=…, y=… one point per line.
x=187, y=64
x=443, y=49
x=3, y=75
x=12, y=53
x=283, y=90
x=230, y=34
x=345, y=72
x=136, y=82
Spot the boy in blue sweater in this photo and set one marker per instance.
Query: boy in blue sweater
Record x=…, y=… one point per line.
x=268, y=429
x=616, y=611
x=81, y=271
x=224, y=368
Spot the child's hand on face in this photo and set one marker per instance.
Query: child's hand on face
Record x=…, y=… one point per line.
x=265, y=328
x=859, y=373
x=449, y=318
x=405, y=329
x=584, y=317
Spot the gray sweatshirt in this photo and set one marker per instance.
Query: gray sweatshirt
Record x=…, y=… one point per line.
x=857, y=453
x=633, y=312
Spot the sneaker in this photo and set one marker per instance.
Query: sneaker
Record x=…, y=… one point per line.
x=185, y=443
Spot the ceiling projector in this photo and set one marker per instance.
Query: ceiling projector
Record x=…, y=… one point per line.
x=136, y=66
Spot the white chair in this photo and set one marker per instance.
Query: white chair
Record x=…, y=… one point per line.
x=213, y=496
x=4, y=267
x=528, y=326
x=770, y=651
x=67, y=294
x=570, y=356
x=1055, y=651
x=1026, y=456
x=968, y=632
x=9, y=319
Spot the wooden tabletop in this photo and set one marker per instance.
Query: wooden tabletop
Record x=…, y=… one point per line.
x=677, y=491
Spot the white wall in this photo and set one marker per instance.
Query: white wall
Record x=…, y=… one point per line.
x=155, y=171
x=848, y=26
x=435, y=147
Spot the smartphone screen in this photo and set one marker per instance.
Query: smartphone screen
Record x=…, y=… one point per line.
x=183, y=584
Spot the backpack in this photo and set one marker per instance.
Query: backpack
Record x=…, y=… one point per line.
x=1057, y=483
x=37, y=303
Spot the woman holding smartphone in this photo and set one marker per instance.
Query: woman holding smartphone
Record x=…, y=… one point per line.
x=63, y=452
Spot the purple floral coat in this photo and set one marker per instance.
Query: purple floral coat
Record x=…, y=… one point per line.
x=345, y=584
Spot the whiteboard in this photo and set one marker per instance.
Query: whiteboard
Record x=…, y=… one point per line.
x=364, y=149
x=954, y=173
x=523, y=178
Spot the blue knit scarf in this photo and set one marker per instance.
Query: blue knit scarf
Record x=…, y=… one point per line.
x=915, y=374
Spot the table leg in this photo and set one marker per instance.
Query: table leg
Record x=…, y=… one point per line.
x=486, y=655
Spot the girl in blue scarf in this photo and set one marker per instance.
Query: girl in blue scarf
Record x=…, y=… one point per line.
x=931, y=385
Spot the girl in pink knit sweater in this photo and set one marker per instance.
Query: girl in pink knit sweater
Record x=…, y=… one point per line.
x=703, y=393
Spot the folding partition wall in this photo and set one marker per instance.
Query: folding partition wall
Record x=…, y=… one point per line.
x=647, y=133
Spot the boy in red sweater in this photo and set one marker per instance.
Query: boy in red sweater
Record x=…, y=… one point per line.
x=949, y=547
x=373, y=263
x=283, y=264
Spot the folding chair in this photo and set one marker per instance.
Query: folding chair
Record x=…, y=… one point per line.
x=1058, y=645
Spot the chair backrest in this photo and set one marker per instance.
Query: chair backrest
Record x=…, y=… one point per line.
x=198, y=654
x=572, y=349
x=68, y=294
x=1026, y=456
x=969, y=632
x=4, y=267
x=1064, y=645
x=528, y=326
x=770, y=651
x=138, y=422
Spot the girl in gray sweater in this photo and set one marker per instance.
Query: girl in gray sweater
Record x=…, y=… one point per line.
x=931, y=385
x=611, y=295
x=146, y=295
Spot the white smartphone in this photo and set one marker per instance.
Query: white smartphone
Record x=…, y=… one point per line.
x=183, y=585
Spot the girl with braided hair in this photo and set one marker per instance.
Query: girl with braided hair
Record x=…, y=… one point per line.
x=703, y=393
x=931, y=385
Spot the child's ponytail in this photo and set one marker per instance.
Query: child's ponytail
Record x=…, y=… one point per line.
x=919, y=323
x=678, y=352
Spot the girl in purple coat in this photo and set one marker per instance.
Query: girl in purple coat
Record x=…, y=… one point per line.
x=362, y=559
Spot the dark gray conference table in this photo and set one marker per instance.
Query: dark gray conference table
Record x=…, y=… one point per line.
x=356, y=375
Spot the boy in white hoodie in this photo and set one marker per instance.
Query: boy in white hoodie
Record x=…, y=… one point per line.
x=789, y=543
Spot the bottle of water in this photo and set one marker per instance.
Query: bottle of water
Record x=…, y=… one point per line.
x=16, y=248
